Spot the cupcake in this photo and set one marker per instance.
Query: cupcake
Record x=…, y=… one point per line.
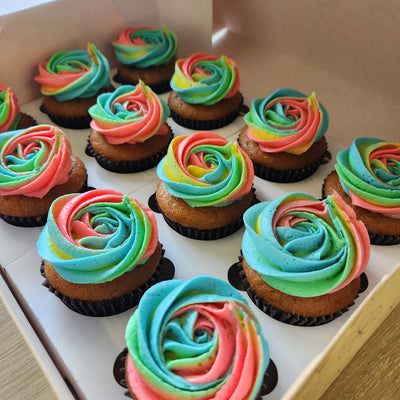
x=11, y=117
x=70, y=83
x=36, y=166
x=147, y=54
x=205, y=92
x=367, y=176
x=194, y=339
x=100, y=250
x=284, y=136
x=129, y=129
x=302, y=257
x=205, y=186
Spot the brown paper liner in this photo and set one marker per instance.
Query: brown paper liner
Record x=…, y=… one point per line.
x=33, y=221
x=158, y=88
x=26, y=121
x=374, y=238
x=70, y=123
x=119, y=371
x=207, y=125
x=126, y=167
x=201, y=234
x=241, y=283
x=164, y=271
x=290, y=175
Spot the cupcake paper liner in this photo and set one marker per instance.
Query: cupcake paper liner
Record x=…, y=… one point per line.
x=26, y=121
x=201, y=234
x=375, y=238
x=33, y=221
x=241, y=283
x=290, y=175
x=68, y=122
x=102, y=308
x=207, y=125
x=126, y=167
x=269, y=383
x=158, y=88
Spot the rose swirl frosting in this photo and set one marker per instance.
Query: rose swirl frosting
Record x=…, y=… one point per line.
x=74, y=74
x=97, y=236
x=205, y=169
x=305, y=247
x=205, y=79
x=9, y=109
x=145, y=46
x=33, y=160
x=369, y=172
x=195, y=339
x=130, y=114
x=286, y=121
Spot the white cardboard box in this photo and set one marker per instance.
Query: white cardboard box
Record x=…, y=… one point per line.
x=276, y=44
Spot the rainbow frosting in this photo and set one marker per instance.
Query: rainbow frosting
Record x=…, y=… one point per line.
x=205, y=79
x=205, y=169
x=195, y=339
x=286, y=121
x=145, y=46
x=74, y=74
x=33, y=160
x=130, y=114
x=9, y=109
x=96, y=236
x=369, y=172
x=305, y=247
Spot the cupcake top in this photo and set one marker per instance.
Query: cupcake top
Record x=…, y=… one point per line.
x=305, y=247
x=9, y=109
x=205, y=169
x=205, y=79
x=195, y=339
x=286, y=121
x=96, y=236
x=74, y=74
x=369, y=172
x=33, y=160
x=145, y=46
x=130, y=114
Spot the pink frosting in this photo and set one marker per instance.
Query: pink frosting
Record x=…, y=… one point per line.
x=236, y=342
x=51, y=166
x=13, y=109
x=144, y=117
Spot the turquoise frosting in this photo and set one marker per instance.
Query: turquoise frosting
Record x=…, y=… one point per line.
x=156, y=47
x=165, y=331
x=369, y=171
x=75, y=74
x=314, y=253
x=96, y=236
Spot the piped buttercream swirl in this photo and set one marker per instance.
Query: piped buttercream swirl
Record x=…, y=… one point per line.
x=9, y=109
x=195, y=339
x=74, y=74
x=33, y=160
x=145, y=46
x=369, y=172
x=130, y=114
x=205, y=79
x=305, y=247
x=286, y=121
x=205, y=169
x=97, y=236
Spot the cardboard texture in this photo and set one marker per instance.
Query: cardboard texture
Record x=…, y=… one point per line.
x=342, y=50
